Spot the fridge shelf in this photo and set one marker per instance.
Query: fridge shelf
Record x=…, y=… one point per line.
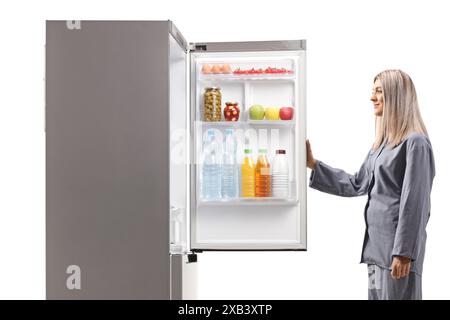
x=275, y=123
x=267, y=201
x=265, y=123
x=223, y=123
x=243, y=78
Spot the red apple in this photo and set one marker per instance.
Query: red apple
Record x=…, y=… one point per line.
x=286, y=113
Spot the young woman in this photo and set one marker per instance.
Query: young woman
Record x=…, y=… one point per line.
x=397, y=175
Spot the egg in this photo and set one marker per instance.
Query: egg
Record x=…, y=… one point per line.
x=217, y=68
x=226, y=68
x=206, y=68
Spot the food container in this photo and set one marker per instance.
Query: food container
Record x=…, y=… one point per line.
x=212, y=101
x=231, y=111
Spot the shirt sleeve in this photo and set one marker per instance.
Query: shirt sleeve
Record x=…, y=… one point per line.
x=337, y=182
x=415, y=200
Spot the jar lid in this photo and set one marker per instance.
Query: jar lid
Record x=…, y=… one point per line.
x=280, y=151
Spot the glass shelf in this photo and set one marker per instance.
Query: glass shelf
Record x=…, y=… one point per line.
x=251, y=77
x=277, y=123
x=222, y=123
x=264, y=201
x=266, y=123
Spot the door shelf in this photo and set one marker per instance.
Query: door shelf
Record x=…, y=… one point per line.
x=266, y=123
x=266, y=201
x=223, y=123
x=243, y=78
x=272, y=123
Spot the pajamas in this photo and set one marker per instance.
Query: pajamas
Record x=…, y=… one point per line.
x=383, y=287
x=398, y=184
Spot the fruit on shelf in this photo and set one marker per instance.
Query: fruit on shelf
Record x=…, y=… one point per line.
x=256, y=112
x=226, y=69
x=231, y=111
x=286, y=113
x=268, y=70
x=252, y=71
x=272, y=113
x=206, y=69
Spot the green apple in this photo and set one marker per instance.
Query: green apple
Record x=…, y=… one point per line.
x=256, y=112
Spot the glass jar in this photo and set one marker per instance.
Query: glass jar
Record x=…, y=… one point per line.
x=212, y=101
x=231, y=111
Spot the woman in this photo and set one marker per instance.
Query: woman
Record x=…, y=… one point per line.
x=397, y=176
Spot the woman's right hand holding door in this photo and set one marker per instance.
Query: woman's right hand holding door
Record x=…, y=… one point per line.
x=310, y=161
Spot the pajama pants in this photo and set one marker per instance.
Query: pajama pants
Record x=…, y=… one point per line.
x=383, y=287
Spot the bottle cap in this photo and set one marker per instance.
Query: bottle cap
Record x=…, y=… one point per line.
x=247, y=151
x=262, y=150
x=280, y=151
x=210, y=133
x=228, y=131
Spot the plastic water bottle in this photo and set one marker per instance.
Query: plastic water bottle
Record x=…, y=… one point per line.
x=280, y=175
x=229, y=167
x=211, y=169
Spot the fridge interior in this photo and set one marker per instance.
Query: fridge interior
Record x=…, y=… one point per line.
x=272, y=80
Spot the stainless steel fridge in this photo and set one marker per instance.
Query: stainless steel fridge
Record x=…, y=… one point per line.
x=126, y=121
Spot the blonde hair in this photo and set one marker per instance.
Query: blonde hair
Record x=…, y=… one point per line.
x=401, y=114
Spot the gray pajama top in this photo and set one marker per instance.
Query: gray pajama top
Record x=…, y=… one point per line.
x=398, y=183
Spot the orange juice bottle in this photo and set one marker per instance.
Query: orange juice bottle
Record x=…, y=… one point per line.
x=263, y=187
x=248, y=175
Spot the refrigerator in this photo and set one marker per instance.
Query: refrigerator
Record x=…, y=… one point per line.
x=126, y=120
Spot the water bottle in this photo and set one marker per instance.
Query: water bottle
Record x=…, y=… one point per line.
x=229, y=167
x=211, y=169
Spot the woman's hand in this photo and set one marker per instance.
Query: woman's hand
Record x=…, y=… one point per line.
x=400, y=267
x=310, y=161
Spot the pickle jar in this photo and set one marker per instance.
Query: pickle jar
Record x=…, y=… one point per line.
x=212, y=101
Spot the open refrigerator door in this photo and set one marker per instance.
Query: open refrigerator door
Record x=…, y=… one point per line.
x=248, y=127
x=179, y=118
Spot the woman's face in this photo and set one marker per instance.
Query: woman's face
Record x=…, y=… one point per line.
x=377, y=98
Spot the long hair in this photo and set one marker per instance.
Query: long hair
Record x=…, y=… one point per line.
x=401, y=114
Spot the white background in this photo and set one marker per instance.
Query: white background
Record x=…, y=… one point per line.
x=348, y=43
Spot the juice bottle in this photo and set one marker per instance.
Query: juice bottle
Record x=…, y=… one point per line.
x=248, y=175
x=263, y=187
